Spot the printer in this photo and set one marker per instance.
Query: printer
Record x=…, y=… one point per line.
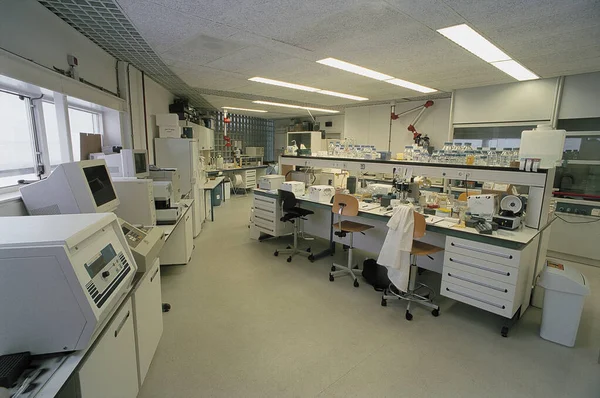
x=167, y=209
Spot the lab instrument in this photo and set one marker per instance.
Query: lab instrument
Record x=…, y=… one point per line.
x=511, y=208
x=128, y=163
x=271, y=181
x=72, y=188
x=167, y=210
x=295, y=187
x=168, y=174
x=145, y=244
x=137, y=200
x=62, y=276
x=321, y=193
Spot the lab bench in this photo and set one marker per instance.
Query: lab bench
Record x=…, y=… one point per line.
x=249, y=174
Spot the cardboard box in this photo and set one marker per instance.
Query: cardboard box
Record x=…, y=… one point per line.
x=169, y=132
x=167, y=119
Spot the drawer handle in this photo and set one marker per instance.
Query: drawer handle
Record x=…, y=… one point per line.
x=262, y=218
x=462, y=278
x=265, y=210
x=154, y=276
x=122, y=323
x=509, y=256
x=480, y=267
x=476, y=299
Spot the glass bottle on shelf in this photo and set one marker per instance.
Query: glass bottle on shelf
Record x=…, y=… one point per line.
x=435, y=156
x=492, y=157
x=470, y=157
x=505, y=157
x=408, y=152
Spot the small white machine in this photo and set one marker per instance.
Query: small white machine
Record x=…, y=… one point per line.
x=167, y=211
x=255, y=151
x=128, y=163
x=321, y=193
x=334, y=177
x=145, y=244
x=60, y=277
x=511, y=208
x=271, y=181
x=295, y=187
x=381, y=189
x=72, y=188
x=484, y=206
x=171, y=175
x=137, y=200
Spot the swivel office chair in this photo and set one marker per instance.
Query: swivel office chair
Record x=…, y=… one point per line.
x=293, y=214
x=418, y=249
x=346, y=206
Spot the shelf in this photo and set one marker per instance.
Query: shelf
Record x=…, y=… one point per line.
x=583, y=162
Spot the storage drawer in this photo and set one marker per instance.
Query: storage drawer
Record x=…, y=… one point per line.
x=264, y=214
x=260, y=220
x=481, y=284
x=265, y=201
x=264, y=227
x=250, y=173
x=477, y=299
x=488, y=269
x=496, y=254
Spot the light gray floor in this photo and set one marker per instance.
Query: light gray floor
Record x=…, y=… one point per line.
x=247, y=324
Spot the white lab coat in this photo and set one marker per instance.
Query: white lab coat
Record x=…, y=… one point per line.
x=395, y=253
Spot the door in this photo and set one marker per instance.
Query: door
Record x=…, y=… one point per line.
x=189, y=236
x=110, y=369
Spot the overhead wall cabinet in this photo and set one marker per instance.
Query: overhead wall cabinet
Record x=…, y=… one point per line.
x=579, y=98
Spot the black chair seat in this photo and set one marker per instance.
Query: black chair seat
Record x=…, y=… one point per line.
x=301, y=212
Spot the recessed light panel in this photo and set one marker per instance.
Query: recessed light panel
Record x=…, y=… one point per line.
x=295, y=106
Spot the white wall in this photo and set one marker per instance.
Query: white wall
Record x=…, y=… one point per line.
x=30, y=30
x=371, y=124
x=157, y=101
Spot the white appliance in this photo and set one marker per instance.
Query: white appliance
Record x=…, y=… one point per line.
x=334, y=177
x=136, y=198
x=167, y=119
x=60, y=276
x=169, y=174
x=255, y=151
x=271, y=181
x=163, y=192
x=167, y=211
x=145, y=244
x=128, y=163
x=72, y=188
x=312, y=140
x=321, y=193
x=543, y=143
x=483, y=205
x=381, y=189
x=170, y=131
x=295, y=187
x=182, y=154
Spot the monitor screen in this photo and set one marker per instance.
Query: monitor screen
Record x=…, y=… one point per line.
x=141, y=166
x=100, y=184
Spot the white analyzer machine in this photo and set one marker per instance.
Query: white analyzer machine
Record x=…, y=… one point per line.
x=60, y=277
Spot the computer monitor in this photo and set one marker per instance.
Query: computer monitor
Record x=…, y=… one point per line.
x=72, y=188
x=128, y=163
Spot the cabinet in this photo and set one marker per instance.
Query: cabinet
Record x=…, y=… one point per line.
x=180, y=242
x=182, y=154
x=147, y=318
x=249, y=178
x=489, y=277
x=267, y=215
x=206, y=138
x=110, y=369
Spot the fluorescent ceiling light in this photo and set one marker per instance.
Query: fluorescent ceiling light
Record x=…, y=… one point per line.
x=306, y=88
x=516, y=70
x=244, y=109
x=283, y=84
x=412, y=86
x=472, y=41
x=359, y=70
x=295, y=106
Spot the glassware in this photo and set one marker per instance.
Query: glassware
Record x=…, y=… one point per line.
x=505, y=157
x=470, y=157
x=408, y=152
x=492, y=157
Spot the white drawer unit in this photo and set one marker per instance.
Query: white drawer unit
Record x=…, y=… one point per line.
x=147, y=318
x=267, y=215
x=249, y=178
x=490, y=277
x=180, y=243
x=110, y=370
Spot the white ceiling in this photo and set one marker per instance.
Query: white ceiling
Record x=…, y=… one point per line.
x=218, y=45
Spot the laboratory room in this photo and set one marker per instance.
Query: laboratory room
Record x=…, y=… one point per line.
x=318, y=198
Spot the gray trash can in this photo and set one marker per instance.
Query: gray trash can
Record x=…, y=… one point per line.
x=565, y=291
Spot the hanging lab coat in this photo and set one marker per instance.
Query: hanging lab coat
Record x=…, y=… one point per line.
x=395, y=253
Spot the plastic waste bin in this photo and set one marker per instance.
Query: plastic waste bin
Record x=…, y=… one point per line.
x=217, y=195
x=564, y=297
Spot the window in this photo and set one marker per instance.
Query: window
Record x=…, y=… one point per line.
x=52, y=135
x=82, y=122
x=16, y=142
x=499, y=137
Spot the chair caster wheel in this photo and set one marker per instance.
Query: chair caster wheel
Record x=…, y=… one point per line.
x=308, y=250
x=356, y=283
x=289, y=259
x=504, y=331
x=408, y=316
x=288, y=247
x=166, y=307
x=435, y=313
x=330, y=278
x=276, y=253
x=311, y=258
x=383, y=302
x=333, y=268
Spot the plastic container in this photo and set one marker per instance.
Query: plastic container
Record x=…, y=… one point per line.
x=217, y=196
x=564, y=296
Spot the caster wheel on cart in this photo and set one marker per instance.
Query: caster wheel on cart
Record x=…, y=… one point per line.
x=330, y=278
x=276, y=253
x=288, y=247
x=308, y=250
x=311, y=258
x=166, y=307
x=409, y=316
x=435, y=313
x=333, y=268
x=289, y=259
x=504, y=331
x=356, y=283
x=383, y=302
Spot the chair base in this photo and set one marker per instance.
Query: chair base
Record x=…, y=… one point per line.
x=343, y=270
x=295, y=250
x=411, y=295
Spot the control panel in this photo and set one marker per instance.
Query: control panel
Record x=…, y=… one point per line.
x=107, y=270
x=577, y=208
